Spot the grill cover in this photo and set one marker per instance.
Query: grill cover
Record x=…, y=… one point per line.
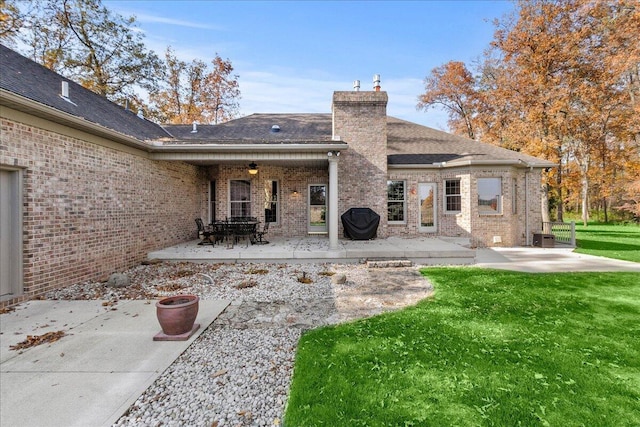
x=360, y=223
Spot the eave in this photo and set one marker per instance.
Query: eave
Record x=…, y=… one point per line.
x=468, y=163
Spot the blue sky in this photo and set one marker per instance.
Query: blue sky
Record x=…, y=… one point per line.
x=290, y=56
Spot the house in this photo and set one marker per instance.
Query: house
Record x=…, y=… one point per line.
x=87, y=187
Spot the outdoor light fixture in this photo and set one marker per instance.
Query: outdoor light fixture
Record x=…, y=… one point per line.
x=253, y=168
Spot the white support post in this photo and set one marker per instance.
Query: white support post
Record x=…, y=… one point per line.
x=333, y=200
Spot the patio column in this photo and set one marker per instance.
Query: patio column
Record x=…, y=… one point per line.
x=333, y=199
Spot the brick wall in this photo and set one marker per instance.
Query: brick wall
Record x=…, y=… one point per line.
x=91, y=209
x=480, y=228
x=293, y=206
x=360, y=120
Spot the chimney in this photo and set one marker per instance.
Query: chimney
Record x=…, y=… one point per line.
x=356, y=85
x=360, y=120
x=376, y=82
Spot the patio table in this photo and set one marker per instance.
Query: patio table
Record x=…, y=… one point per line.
x=235, y=230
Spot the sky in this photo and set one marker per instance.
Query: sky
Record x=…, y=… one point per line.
x=291, y=55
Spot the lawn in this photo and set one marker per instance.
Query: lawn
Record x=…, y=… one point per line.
x=491, y=348
x=608, y=240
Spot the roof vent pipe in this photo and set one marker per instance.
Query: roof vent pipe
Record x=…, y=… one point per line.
x=65, y=90
x=356, y=85
x=376, y=82
x=140, y=114
x=195, y=127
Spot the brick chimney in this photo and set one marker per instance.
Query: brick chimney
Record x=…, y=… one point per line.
x=360, y=120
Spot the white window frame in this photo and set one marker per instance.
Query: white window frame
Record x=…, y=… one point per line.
x=403, y=201
x=445, y=196
x=270, y=202
x=231, y=202
x=482, y=210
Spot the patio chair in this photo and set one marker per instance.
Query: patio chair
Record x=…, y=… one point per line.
x=243, y=230
x=260, y=235
x=204, y=233
x=220, y=231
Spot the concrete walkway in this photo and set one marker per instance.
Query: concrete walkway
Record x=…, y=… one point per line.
x=548, y=260
x=96, y=371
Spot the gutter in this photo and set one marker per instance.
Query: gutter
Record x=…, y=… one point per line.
x=29, y=106
x=35, y=108
x=453, y=164
x=158, y=147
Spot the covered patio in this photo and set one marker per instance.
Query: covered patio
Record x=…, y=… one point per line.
x=418, y=250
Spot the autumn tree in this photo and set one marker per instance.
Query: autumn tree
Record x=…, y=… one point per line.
x=85, y=41
x=195, y=93
x=453, y=87
x=11, y=20
x=560, y=81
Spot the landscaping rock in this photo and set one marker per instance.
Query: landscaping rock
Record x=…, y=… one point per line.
x=118, y=280
x=339, y=279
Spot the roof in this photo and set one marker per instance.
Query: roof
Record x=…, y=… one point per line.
x=409, y=143
x=259, y=129
x=31, y=80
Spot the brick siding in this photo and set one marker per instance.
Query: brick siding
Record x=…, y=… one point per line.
x=360, y=120
x=90, y=210
x=469, y=223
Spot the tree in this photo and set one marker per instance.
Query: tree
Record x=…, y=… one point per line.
x=560, y=81
x=85, y=41
x=11, y=20
x=453, y=87
x=221, y=91
x=193, y=93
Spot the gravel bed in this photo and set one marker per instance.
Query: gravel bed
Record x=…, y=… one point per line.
x=233, y=374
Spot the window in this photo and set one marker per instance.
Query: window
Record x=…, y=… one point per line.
x=240, y=198
x=514, y=196
x=489, y=196
x=271, y=201
x=212, y=201
x=396, y=201
x=452, y=196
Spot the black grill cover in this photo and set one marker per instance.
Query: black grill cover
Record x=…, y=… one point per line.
x=360, y=223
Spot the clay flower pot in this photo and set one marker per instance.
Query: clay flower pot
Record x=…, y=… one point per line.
x=177, y=314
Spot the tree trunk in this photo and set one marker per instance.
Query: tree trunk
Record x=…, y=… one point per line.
x=545, y=204
x=585, y=199
x=560, y=205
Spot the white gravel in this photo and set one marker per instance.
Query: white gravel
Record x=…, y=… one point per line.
x=237, y=373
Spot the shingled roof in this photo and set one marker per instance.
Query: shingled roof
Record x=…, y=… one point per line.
x=31, y=80
x=412, y=144
x=408, y=144
x=259, y=129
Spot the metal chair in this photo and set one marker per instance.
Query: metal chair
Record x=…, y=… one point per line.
x=204, y=233
x=244, y=230
x=260, y=235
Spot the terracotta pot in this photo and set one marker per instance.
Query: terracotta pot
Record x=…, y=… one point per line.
x=177, y=314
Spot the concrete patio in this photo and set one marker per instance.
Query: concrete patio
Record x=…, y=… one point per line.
x=420, y=250
x=95, y=372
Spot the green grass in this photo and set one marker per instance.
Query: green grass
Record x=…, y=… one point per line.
x=609, y=240
x=491, y=348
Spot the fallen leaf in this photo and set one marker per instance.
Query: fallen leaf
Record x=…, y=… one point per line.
x=34, y=340
x=219, y=373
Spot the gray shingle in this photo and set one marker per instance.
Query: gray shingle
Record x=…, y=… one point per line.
x=31, y=80
x=256, y=129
